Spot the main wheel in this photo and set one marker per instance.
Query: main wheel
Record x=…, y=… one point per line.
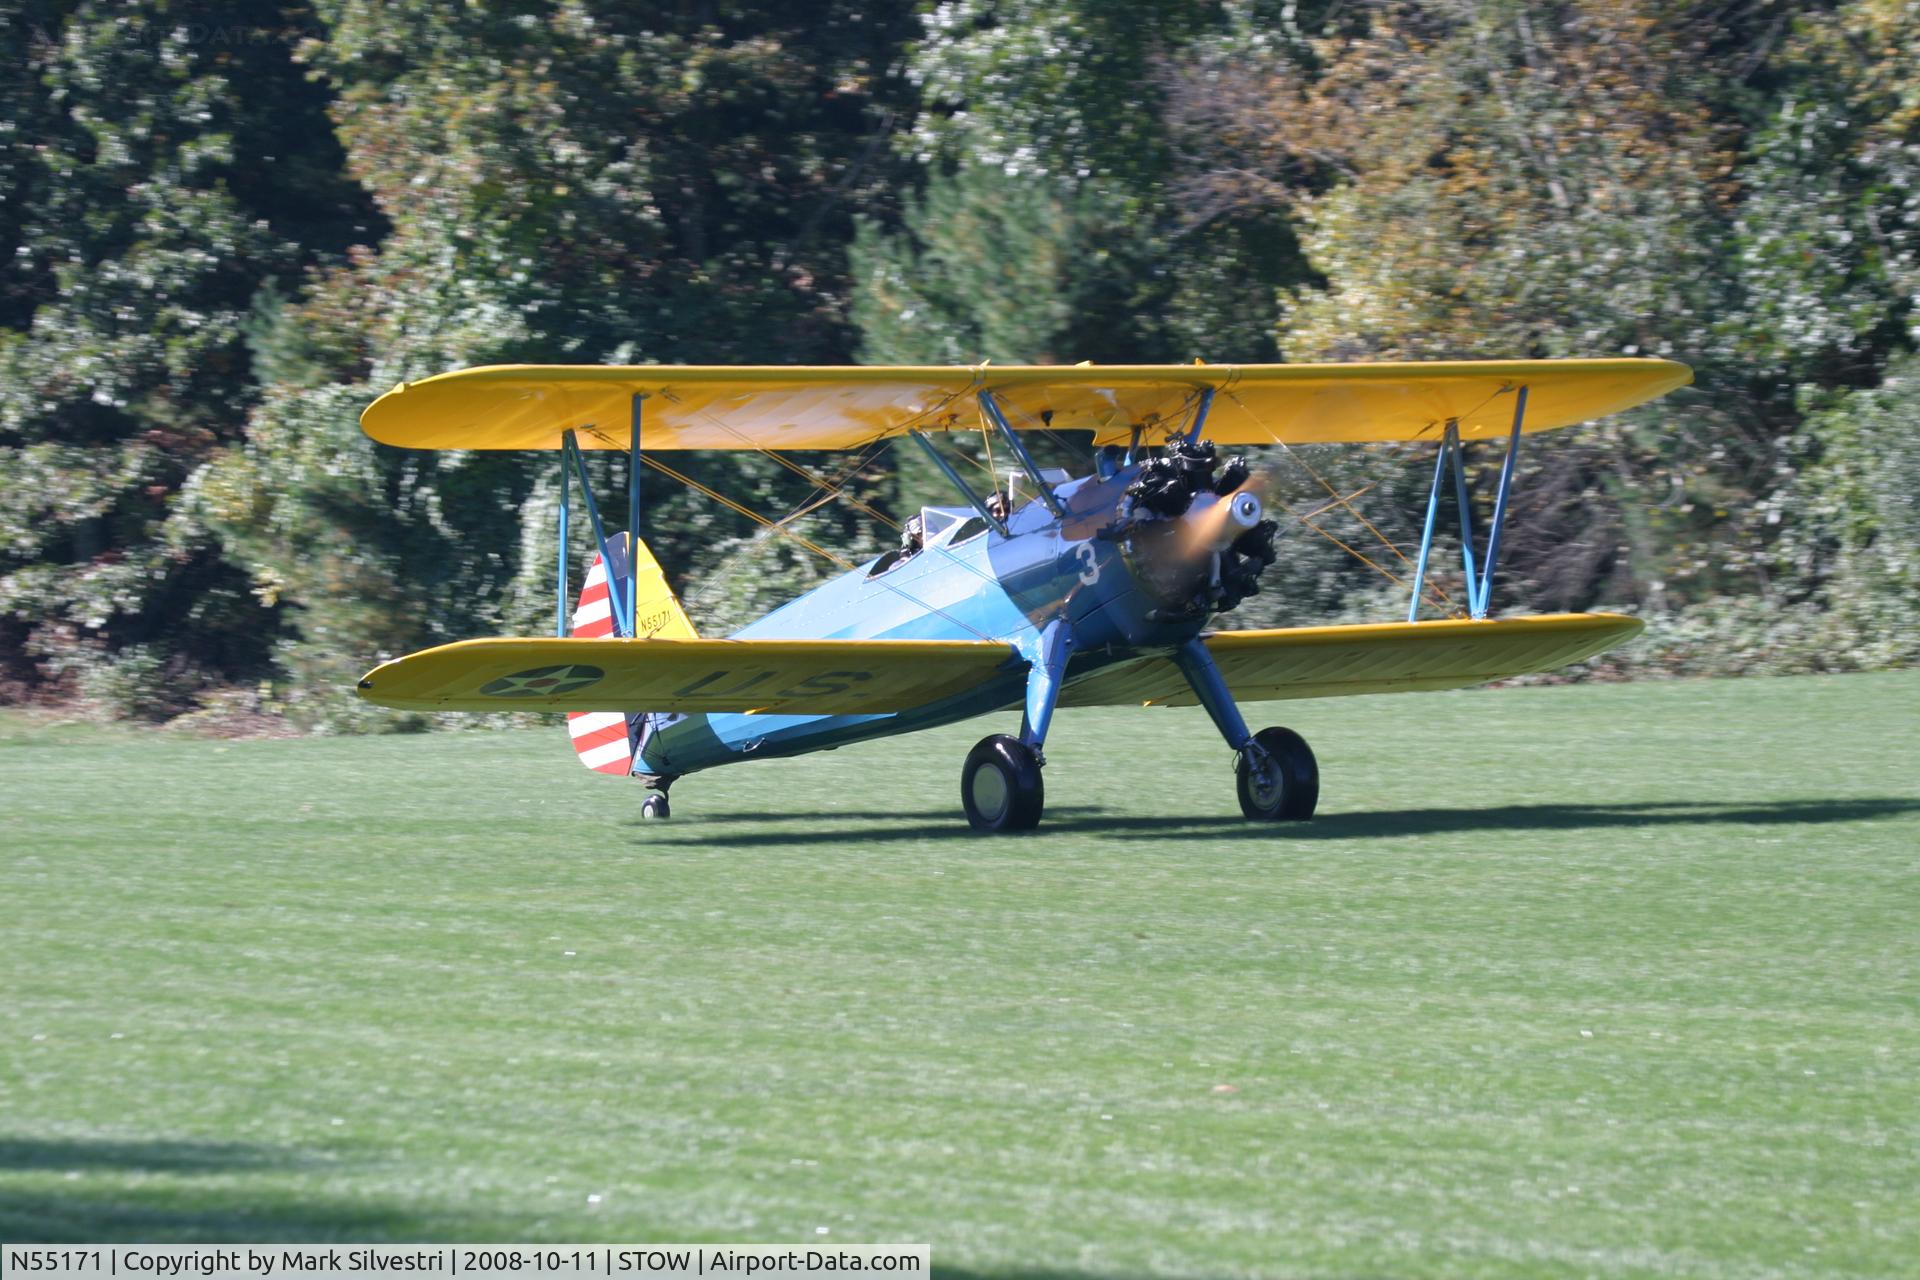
x=1284, y=787
x=1000, y=786
x=655, y=806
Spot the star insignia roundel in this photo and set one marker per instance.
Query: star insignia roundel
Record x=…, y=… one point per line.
x=543, y=682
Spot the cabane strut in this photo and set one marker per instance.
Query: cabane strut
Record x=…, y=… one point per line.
x=991, y=408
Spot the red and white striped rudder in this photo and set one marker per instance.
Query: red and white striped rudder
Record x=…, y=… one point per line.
x=606, y=740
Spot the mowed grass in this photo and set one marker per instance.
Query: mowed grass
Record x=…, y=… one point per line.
x=1609, y=981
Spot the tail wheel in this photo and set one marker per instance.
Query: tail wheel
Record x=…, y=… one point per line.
x=1000, y=785
x=1279, y=782
x=655, y=806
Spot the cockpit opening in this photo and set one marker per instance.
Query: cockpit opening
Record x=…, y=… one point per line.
x=932, y=527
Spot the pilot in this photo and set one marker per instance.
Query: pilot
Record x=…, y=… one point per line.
x=913, y=536
x=997, y=505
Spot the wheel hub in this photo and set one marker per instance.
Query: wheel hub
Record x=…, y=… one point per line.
x=990, y=792
x=1263, y=778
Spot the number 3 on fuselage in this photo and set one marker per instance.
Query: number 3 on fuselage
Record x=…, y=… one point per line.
x=1090, y=562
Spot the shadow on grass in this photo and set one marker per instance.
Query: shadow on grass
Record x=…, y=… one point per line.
x=864, y=826
x=124, y=1192
x=64, y=1156
x=1387, y=823
x=946, y=815
x=180, y=1198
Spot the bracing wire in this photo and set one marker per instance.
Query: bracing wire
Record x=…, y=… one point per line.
x=776, y=527
x=1357, y=554
x=1344, y=502
x=748, y=512
x=818, y=481
x=805, y=507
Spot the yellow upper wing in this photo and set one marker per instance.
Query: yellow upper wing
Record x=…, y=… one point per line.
x=803, y=677
x=1390, y=657
x=722, y=407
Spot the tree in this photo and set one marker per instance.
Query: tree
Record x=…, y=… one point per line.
x=1076, y=98
x=1829, y=227
x=140, y=224
x=573, y=184
x=1486, y=179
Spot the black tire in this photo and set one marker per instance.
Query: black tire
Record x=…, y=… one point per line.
x=1286, y=792
x=1000, y=785
x=656, y=806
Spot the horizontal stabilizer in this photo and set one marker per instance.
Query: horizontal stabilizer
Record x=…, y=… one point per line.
x=1392, y=657
x=798, y=677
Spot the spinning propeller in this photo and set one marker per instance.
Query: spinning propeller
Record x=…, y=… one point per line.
x=1215, y=522
x=1197, y=529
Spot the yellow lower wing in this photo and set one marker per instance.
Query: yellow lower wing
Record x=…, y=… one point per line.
x=1324, y=662
x=849, y=677
x=801, y=677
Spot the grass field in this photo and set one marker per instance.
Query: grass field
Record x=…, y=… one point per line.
x=1608, y=981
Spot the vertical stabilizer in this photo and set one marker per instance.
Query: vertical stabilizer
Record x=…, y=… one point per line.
x=606, y=740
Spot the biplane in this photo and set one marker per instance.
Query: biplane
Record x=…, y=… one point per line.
x=1084, y=590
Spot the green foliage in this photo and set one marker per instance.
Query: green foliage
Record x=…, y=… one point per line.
x=1069, y=114
x=373, y=551
x=1851, y=520
x=990, y=266
x=139, y=229
x=571, y=185
x=1068, y=89
x=133, y=683
x=225, y=229
x=1830, y=229
x=1490, y=179
x=1529, y=183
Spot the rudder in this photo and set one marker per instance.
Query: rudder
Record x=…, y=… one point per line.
x=606, y=740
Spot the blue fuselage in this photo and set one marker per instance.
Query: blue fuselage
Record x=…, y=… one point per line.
x=968, y=583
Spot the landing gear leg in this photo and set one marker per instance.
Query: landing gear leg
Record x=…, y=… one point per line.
x=1275, y=772
x=655, y=806
x=1000, y=786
